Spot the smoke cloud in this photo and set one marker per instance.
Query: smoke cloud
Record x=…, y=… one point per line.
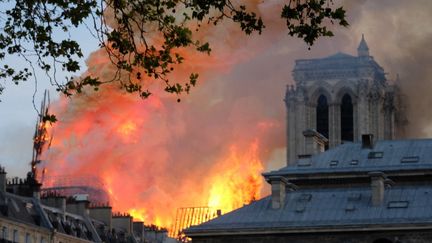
x=157, y=155
x=400, y=37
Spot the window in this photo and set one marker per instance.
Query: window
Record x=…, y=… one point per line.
x=304, y=163
x=334, y=163
x=375, y=155
x=322, y=116
x=350, y=207
x=354, y=162
x=4, y=233
x=28, y=238
x=15, y=236
x=354, y=196
x=398, y=204
x=347, y=119
x=410, y=159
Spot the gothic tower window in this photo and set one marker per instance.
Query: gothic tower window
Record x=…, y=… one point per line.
x=322, y=116
x=347, y=119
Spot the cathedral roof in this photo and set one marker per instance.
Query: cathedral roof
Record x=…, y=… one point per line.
x=339, y=60
x=338, y=55
x=339, y=65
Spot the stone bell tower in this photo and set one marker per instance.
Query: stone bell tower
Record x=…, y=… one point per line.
x=341, y=97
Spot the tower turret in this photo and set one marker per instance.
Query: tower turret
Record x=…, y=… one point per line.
x=341, y=97
x=363, y=49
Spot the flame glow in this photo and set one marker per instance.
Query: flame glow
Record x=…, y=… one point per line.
x=239, y=181
x=155, y=156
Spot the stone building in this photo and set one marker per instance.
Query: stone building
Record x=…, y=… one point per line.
x=341, y=184
x=340, y=96
x=28, y=216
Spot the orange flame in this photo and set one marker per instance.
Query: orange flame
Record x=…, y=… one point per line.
x=137, y=176
x=156, y=156
x=239, y=182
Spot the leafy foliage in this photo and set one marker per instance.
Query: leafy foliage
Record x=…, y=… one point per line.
x=304, y=19
x=143, y=40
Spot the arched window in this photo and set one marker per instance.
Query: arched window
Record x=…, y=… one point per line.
x=322, y=116
x=347, y=119
x=382, y=240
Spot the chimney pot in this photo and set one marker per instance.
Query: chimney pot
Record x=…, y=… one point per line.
x=3, y=180
x=314, y=142
x=279, y=185
x=367, y=141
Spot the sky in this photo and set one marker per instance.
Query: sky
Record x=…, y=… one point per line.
x=252, y=85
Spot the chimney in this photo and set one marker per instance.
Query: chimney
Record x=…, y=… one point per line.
x=377, y=185
x=54, y=200
x=78, y=204
x=314, y=142
x=102, y=213
x=123, y=222
x=2, y=180
x=138, y=229
x=279, y=185
x=367, y=141
x=36, y=194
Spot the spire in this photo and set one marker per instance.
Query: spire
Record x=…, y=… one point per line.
x=363, y=49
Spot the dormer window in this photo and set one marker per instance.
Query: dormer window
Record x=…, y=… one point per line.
x=375, y=155
x=354, y=162
x=410, y=159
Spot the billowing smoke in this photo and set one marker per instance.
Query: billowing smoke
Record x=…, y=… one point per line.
x=156, y=155
x=400, y=38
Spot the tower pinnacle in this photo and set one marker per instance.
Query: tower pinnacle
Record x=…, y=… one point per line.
x=363, y=49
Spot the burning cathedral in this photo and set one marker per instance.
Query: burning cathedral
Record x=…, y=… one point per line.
x=349, y=177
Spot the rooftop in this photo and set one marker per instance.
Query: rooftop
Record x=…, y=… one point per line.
x=386, y=156
x=336, y=202
x=339, y=65
x=312, y=209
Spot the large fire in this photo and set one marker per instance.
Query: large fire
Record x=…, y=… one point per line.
x=155, y=156
x=142, y=175
x=239, y=181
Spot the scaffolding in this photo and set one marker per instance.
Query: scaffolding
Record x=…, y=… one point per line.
x=190, y=216
x=41, y=139
x=71, y=185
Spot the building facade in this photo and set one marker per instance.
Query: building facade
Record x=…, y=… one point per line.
x=28, y=216
x=347, y=179
x=340, y=96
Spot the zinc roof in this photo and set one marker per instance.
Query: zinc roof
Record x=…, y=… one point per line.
x=386, y=155
x=329, y=208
